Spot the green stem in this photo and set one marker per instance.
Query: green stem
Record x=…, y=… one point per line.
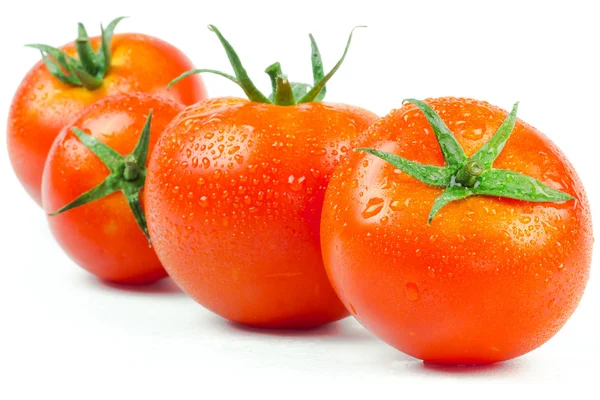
x=284, y=96
x=131, y=171
x=127, y=174
x=467, y=175
x=274, y=70
x=463, y=177
x=90, y=68
x=284, y=92
x=88, y=81
x=86, y=55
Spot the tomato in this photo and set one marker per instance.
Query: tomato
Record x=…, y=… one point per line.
x=43, y=104
x=96, y=226
x=234, y=196
x=450, y=269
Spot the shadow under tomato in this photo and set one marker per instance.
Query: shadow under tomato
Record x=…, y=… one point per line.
x=164, y=286
x=509, y=367
x=343, y=329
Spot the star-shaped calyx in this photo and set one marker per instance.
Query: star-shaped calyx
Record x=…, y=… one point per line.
x=127, y=173
x=90, y=68
x=284, y=92
x=464, y=176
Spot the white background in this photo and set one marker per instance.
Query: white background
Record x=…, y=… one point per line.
x=65, y=334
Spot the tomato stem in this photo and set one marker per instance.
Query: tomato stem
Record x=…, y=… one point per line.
x=131, y=171
x=127, y=174
x=274, y=70
x=463, y=177
x=284, y=96
x=285, y=93
x=467, y=175
x=90, y=68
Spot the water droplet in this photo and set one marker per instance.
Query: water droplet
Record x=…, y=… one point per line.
x=431, y=272
x=203, y=202
x=296, y=184
x=206, y=162
x=354, y=184
x=525, y=219
x=201, y=181
x=318, y=152
x=396, y=205
x=473, y=134
x=412, y=291
x=373, y=207
x=551, y=303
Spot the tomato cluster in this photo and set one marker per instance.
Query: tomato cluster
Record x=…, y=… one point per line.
x=449, y=228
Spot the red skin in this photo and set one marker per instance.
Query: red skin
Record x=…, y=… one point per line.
x=237, y=227
x=43, y=105
x=103, y=236
x=491, y=278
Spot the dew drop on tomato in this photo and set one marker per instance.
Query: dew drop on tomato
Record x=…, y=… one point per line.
x=374, y=207
x=412, y=291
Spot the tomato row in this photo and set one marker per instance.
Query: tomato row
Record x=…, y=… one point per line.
x=449, y=228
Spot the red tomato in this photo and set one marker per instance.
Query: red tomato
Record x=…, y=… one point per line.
x=103, y=236
x=489, y=278
x=234, y=196
x=43, y=104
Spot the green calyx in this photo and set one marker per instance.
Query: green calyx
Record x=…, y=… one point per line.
x=127, y=174
x=464, y=176
x=90, y=67
x=284, y=92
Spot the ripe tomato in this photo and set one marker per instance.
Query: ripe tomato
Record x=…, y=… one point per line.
x=234, y=196
x=101, y=234
x=43, y=103
x=489, y=278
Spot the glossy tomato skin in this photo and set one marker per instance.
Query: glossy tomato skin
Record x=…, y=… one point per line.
x=489, y=279
x=103, y=236
x=234, y=197
x=42, y=105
